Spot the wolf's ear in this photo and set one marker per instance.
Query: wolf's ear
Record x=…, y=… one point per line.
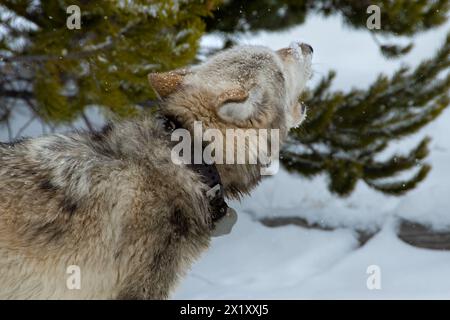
x=233, y=95
x=238, y=104
x=165, y=83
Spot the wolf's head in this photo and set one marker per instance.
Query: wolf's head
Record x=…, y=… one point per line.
x=243, y=87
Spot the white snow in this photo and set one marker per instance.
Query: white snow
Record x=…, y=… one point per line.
x=256, y=262
x=290, y=262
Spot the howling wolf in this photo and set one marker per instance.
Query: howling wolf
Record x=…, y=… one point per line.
x=115, y=205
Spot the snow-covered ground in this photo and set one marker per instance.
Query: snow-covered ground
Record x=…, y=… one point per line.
x=256, y=262
x=293, y=262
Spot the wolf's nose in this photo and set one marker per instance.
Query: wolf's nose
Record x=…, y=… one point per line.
x=306, y=48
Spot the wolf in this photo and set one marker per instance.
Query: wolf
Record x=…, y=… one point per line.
x=115, y=205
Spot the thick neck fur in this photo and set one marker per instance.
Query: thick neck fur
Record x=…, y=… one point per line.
x=131, y=139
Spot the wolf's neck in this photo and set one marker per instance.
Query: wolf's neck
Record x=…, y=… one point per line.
x=238, y=179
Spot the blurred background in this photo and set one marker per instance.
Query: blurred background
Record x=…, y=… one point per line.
x=364, y=181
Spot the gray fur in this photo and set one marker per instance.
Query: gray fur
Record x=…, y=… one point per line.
x=114, y=204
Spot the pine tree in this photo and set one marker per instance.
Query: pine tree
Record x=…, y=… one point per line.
x=346, y=132
x=58, y=72
x=398, y=18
